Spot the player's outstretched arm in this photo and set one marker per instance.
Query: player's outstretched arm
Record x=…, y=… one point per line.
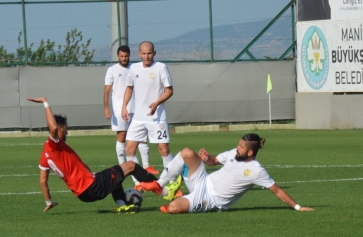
x=43, y=176
x=283, y=196
x=51, y=123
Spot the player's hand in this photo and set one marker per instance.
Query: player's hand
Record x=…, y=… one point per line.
x=107, y=113
x=306, y=209
x=203, y=153
x=48, y=207
x=125, y=114
x=37, y=100
x=152, y=107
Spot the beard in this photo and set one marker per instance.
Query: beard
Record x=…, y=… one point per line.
x=240, y=157
x=124, y=63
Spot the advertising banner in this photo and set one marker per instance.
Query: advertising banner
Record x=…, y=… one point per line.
x=311, y=10
x=330, y=56
x=346, y=9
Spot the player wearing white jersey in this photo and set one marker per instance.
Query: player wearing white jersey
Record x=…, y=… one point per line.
x=115, y=81
x=222, y=188
x=151, y=83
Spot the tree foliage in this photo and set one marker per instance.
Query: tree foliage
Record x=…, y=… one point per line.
x=74, y=51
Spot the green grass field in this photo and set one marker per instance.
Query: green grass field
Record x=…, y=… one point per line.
x=320, y=169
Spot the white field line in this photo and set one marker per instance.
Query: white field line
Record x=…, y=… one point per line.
x=321, y=180
x=298, y=181
x=31, y=193
x=21, y=144
x=18, y=175
x=22, y=175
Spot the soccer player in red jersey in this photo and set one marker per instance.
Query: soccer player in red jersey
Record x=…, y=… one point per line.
x=68, y=166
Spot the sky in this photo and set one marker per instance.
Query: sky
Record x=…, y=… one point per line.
x=148, y=20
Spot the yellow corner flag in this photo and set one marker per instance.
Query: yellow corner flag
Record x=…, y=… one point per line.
x=269, y=84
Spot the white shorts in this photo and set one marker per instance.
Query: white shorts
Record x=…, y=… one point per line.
x=118, y=124
x=199, y=197
x=157, y=132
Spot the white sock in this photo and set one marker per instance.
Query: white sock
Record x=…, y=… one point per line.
x=119, y=202
x=120, y=151
x=167, y=159
x=144, y=153
x=134, y=159
x=174, y=168
x=165, y=192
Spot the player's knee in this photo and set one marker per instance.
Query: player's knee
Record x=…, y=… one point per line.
x=163, y=150
x=121, y=136
x=130, y=151
x=187, y=152
x=128, y=167
x=173, y=208
x=131, y=164
x=180, y=205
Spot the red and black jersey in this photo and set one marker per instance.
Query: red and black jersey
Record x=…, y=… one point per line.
x=67, y=165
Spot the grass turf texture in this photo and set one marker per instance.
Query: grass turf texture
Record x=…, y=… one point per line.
x=321, y=169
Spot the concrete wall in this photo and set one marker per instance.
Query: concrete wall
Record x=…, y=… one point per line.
x=329, y=111
x=202, y=93
x=223, y=92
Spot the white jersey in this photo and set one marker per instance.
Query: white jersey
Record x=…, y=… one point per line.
x=116, y=76
x=149, y=85
x=235, y=178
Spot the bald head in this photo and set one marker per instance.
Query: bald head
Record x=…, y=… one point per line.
x=146, y=53
x=147, y=44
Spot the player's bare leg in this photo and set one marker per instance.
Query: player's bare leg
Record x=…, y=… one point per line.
x=131, y=168
x=164, y=149
x=191, y=159
x=188, y=157
x=127, y=168
x=165, y=153
x=130, y=148
x=144, y=153
x=180, y=205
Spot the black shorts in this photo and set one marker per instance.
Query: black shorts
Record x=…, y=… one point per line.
x=106, y=181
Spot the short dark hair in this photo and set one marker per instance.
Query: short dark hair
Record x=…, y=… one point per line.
x=123, y=48
x=60, y=119
x=255, y=142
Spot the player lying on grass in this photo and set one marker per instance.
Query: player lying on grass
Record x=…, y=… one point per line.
x=67, y=165
x=222, y=188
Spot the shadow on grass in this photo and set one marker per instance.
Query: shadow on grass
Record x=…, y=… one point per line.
x=142, y=209
x=267, y=208
x=256, y=209
x=156, y=209
x=258, y=188
x=108, y=211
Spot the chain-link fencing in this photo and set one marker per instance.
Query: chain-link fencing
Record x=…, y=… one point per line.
x=88, y=32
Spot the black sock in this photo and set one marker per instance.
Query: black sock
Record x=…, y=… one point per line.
x=142, y=175
x=118, y=194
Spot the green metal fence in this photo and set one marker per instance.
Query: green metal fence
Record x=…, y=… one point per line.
x=65, y=32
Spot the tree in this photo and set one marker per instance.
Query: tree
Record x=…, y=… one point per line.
x=72, y=52
x=5, y=57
